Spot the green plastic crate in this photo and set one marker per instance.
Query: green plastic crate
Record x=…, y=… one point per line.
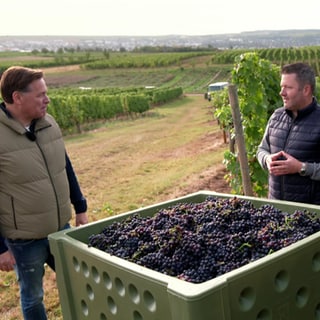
x=97, y=286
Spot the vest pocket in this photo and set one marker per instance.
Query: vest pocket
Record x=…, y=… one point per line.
x=7, y=213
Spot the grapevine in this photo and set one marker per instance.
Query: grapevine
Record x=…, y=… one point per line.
x=257, y=82
x=197, y=242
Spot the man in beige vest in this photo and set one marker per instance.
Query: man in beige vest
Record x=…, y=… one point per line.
x=37, y=184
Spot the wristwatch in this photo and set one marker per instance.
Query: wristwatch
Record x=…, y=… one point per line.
x=302, y=171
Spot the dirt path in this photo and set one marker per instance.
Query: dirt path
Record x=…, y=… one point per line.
x=211, y=178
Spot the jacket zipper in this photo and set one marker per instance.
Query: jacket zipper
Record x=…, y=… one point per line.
x=284, y=149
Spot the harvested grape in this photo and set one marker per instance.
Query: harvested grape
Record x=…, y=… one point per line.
x=197, y=242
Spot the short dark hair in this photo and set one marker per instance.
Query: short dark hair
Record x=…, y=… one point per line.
x=305, y=74
x=17, y=78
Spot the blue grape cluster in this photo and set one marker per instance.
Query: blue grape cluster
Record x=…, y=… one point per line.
x=197, y=242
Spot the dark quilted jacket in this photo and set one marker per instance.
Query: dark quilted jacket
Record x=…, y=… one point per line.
x=299, y=137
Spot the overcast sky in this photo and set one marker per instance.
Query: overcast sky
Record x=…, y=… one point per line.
x=154, y=17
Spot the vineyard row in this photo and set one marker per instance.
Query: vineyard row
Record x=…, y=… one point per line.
x=73, y=110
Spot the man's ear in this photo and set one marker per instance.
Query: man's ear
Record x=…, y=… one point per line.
x=307, y=89
x=16, y=97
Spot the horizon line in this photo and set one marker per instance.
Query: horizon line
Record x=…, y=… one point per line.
x=159, y=35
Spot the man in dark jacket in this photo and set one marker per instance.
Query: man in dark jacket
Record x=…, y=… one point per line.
x=37, y=184
x=290, y=148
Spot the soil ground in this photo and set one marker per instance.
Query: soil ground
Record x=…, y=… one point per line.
x=212, y=178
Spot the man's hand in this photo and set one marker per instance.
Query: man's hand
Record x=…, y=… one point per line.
x=81, y=218
x=282, y=163
x=7, y=261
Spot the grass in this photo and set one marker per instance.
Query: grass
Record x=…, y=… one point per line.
x=131, y=154
x=127, y=164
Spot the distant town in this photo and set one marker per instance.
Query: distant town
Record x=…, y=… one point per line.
x=244, y=40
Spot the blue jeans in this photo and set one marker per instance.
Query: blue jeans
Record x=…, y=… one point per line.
x=30, y=256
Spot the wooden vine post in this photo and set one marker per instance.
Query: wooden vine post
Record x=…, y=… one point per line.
x=240, y=142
